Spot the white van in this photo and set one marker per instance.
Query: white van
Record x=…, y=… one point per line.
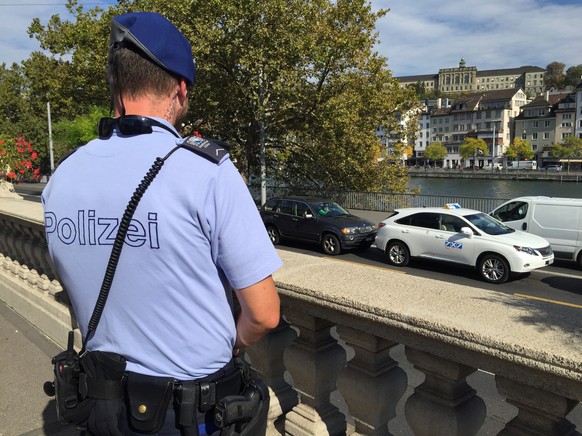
x=559, y=220
x=522, y=165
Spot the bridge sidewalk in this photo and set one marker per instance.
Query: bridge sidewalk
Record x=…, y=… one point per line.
x=25, y=362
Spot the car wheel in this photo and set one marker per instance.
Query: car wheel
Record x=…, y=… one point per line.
x=330, y=244
x=493, y=269
x=398, y=253
x=274, y=235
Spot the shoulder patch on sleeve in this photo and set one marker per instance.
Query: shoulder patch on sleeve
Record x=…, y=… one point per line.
x=211, y=149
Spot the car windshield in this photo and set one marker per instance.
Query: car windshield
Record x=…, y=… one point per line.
x=488, y=224
x=328, y=208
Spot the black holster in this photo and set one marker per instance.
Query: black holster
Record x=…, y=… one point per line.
x=244, y=414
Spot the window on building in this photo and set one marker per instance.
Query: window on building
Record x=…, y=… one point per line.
x=547, y=123
x=535, y=124
x=566, y=124
x=524, y=135
x=534, y=135
x=546, y=135
x=488, y=114
x=566, y=116
x=565, y=135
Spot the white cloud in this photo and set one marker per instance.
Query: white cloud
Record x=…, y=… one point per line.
x=421, y=36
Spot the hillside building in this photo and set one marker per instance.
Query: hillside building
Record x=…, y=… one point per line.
x=463, y=79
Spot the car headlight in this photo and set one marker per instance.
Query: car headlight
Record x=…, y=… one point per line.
x=349, y=230
x=527, y=250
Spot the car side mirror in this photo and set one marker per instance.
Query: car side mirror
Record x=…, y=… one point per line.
x=467, y=232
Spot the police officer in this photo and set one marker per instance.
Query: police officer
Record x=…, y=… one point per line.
x=194, y=238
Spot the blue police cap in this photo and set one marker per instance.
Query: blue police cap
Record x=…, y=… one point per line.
x=157, y=39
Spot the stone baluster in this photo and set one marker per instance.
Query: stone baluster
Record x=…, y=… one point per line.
x=267, y=362
x=444, y=404
x=540, y=412
x=313, y=360
x=372, y=383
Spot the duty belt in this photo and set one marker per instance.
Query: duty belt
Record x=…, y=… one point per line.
x=204, y=394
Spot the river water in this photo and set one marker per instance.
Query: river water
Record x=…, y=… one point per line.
x=495, y=188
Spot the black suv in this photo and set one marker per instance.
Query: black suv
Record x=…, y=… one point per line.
x=318, y=220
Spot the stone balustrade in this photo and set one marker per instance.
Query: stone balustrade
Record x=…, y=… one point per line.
x=330, y=364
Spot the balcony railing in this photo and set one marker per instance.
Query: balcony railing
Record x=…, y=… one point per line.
x=341, y=322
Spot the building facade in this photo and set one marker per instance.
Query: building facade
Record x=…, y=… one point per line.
x=549, y=119
x=463, y=79
x=485, y=115
x=578, y=118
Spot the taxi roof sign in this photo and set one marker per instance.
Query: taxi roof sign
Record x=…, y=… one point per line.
x=452, y=206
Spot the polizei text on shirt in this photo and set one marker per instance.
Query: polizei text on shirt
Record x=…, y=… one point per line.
x=89, y=229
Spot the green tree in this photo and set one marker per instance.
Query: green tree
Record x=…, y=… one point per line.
x=555, y=76
x=570, y=148
x=519, y=150
x=20, y=117
x=435, y=151
x=300, y=77
x=70, y=134
x=473, y=147
x=573, y=76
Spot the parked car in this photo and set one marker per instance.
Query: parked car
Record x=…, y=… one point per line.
x=462, y=236
x=316, y=220
x=554, y=168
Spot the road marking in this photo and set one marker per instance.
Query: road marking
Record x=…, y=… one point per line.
x=577, y=306
x=558, y=274
x=364, y=264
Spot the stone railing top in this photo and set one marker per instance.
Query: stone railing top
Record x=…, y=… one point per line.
x=534, y=334
x=19, y=208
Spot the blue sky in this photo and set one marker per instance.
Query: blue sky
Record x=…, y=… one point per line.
x=417, y=36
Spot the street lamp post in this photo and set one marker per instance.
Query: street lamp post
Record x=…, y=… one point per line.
x=493, y=144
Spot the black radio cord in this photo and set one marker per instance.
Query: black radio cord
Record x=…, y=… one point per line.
x=119, y=241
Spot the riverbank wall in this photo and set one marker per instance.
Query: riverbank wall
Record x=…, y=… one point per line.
x=498, y=175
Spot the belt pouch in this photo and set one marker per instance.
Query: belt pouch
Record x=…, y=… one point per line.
x=148, y=400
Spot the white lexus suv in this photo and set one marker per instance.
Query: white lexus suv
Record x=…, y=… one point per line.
x=463, y=236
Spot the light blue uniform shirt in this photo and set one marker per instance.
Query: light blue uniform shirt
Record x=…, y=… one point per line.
x=195, y=234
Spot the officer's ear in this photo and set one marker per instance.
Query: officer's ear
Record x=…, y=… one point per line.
x=182, y=92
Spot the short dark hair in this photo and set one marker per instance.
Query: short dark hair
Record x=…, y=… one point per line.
x=133, y=75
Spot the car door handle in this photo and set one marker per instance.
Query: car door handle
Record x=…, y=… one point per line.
x=439, y=236
x=405, y=231
x=524, y=226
